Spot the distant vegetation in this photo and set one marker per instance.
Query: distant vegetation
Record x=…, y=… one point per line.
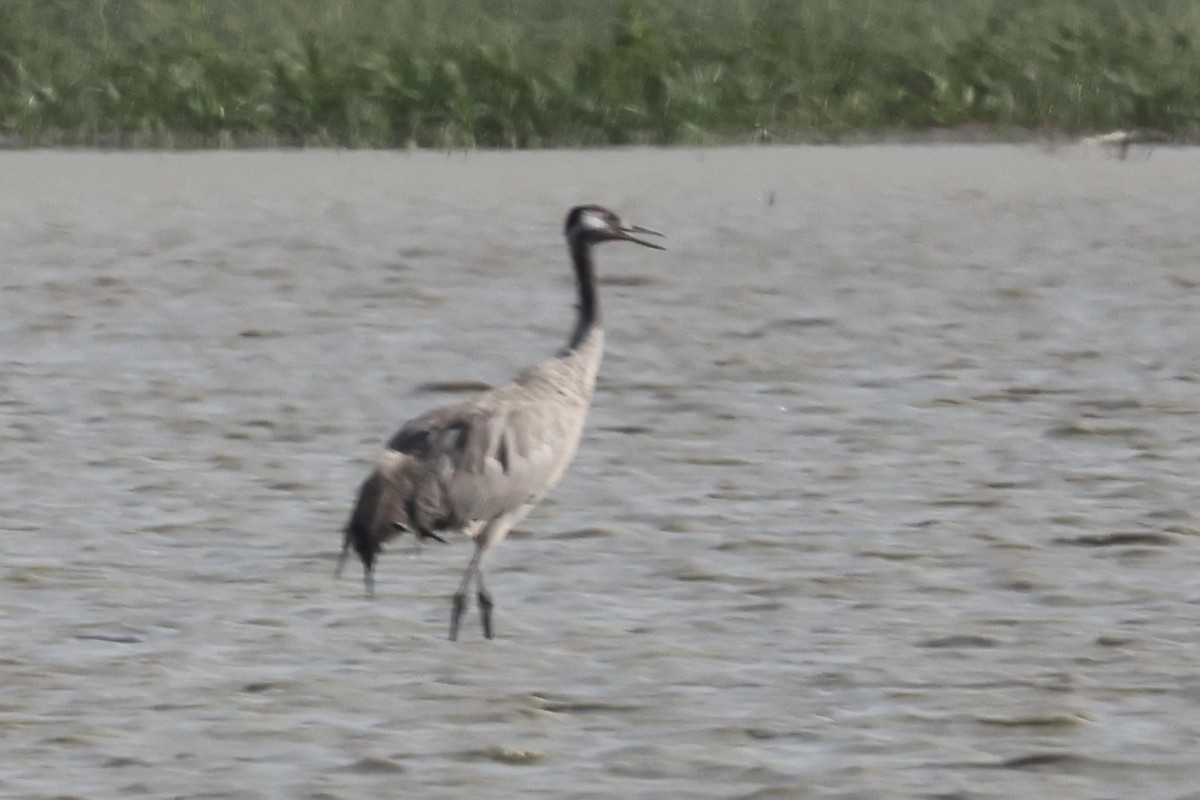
x=543, y=73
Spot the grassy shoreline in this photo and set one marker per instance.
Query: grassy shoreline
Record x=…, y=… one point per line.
x=547, y=73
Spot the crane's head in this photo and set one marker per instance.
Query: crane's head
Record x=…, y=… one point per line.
x=592, y=224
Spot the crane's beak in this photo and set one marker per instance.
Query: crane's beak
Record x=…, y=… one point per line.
x=627, y=231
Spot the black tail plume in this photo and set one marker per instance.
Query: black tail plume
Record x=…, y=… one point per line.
x=360, y=532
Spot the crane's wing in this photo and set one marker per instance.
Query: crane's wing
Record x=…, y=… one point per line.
x=459, y=466
x=492, y=454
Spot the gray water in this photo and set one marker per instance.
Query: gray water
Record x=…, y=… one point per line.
x=889, y=488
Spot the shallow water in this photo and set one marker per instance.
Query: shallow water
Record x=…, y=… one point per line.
x=888, y=490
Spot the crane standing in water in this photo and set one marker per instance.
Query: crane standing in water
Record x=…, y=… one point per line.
x=480, y=466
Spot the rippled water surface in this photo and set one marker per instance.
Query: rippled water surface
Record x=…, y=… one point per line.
x=889, y=489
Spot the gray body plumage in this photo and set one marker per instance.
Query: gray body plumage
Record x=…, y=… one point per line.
x=461, y=465
x=480, y=466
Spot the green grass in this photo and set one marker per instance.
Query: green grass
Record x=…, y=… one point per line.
x=539, y=73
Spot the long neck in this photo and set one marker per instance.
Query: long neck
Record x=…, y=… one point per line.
x=589, y=305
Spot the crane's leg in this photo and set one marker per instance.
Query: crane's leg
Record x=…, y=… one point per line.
x=485, y=606
x=459, y=604
x=492, y=534
x=457, y=607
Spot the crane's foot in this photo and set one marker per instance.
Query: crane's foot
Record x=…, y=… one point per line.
x=485, y=612
x=457, y=608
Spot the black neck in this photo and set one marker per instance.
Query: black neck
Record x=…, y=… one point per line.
x=589, y=306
